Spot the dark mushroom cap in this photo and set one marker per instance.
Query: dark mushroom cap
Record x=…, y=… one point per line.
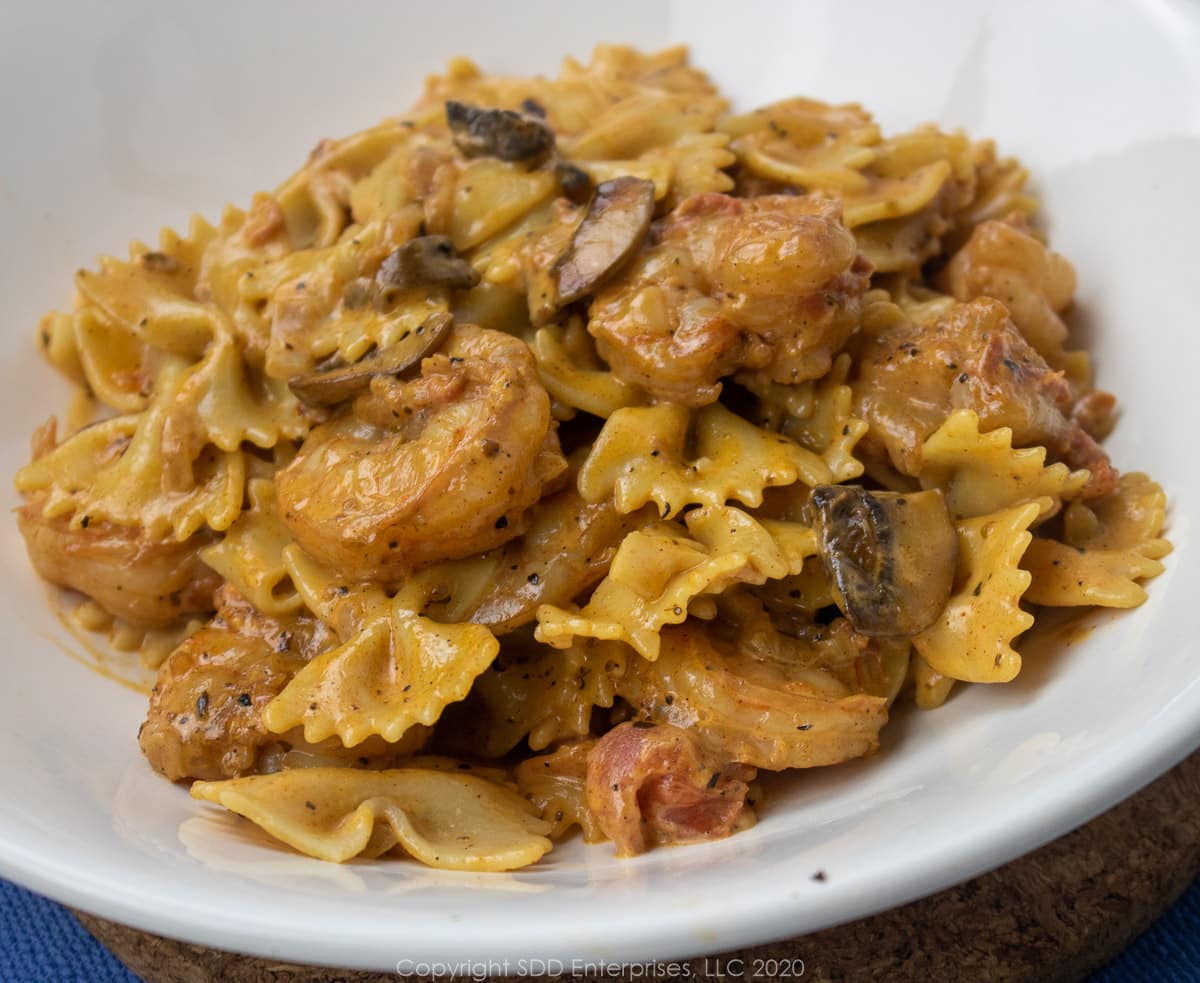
x=574, y=182
x=499, y=133
x=617, y=221
x=891, y=556
x=426, y=261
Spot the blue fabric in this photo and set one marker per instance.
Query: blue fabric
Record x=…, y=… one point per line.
x=41, y=943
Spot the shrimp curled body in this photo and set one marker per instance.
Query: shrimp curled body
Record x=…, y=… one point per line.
x=433, y=468
x=770, y=285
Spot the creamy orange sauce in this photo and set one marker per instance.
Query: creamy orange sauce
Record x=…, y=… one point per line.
x=118, y=667
x=1060, y=627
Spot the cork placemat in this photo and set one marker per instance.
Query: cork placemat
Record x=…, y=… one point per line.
x=1052, y=915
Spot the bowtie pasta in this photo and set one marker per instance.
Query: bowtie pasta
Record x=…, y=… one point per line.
x=564, y=452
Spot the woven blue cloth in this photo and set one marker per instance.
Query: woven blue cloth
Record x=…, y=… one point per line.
x=41, y=943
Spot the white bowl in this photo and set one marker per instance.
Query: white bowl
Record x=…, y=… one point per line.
x=116, y=122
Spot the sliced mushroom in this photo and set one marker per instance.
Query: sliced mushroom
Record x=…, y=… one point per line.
x=616, y=223
x=427, y=261
x=499, y=133
x=336, y=385
x=890, y=556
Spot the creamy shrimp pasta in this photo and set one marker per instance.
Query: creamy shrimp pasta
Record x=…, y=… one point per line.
x=563, y=454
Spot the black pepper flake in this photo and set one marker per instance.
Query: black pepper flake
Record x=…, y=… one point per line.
x=202, y=705
x=85, y=521
x=655, y=453
x=456, y=360
x=666, y=509
x=963, y=378
x=533, y=578
x=407, y=687
x=615, y=786
x=803, y=726
x=309, y=805
x=1012, y=366
x=502, y=522
x=244, y=699
x=712, y=782
x=978, y=589
x=669, y=699
x=342, y=590
x=819, y=876
x=392, y=544
x=846, y=430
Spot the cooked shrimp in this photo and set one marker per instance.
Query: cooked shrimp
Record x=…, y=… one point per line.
x=301, y=634
x=158, y=582
x=771, y=285
x=1003, y=261
x=204, y=717
x=973, y=358
x=433, y=468
x=766, y=713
